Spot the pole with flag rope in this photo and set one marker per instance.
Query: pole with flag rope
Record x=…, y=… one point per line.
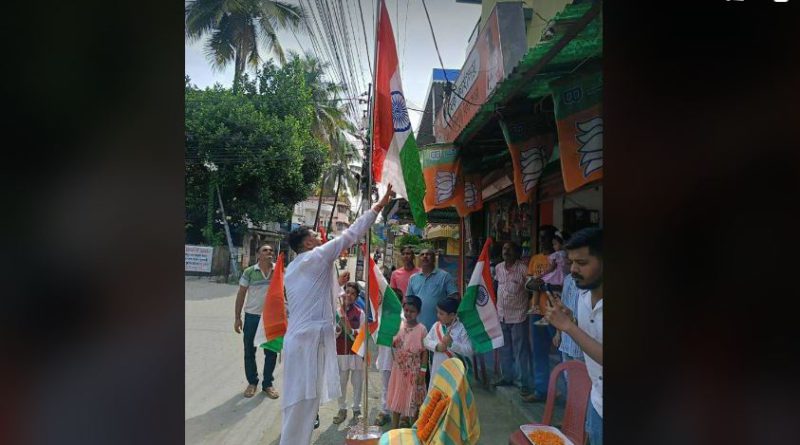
x=371, y=147
x=371, y=112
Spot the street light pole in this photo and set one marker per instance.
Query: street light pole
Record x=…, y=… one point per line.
x=234, y=266
x=212, y=168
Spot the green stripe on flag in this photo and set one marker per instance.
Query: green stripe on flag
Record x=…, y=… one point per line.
x=390, y=318
x=469, y=316
x=275, y=345
x=415, y=182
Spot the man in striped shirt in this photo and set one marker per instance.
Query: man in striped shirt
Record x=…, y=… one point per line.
x=512, y=307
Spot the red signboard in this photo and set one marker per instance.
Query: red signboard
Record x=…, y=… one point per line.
x=480, y=75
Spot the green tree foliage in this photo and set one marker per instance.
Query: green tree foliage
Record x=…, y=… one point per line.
x=411, y=240
x=234, y=30
x=260, y=142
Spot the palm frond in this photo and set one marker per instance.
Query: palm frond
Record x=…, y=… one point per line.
x=202, y=17
x=269, y=37
x=220, y=48
x=285, y=14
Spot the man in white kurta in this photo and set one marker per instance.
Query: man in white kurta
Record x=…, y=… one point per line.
x=310, y=369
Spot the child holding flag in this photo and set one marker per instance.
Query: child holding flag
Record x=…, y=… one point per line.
x=407, y=383
x=448, y=337
x=384, y=364
x=351, y=367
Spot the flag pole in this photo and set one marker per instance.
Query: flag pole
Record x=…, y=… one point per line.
x=367, y=268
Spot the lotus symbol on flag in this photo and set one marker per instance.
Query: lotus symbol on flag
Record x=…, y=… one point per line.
x=590, y=137
x=532, y=165
x=399, y=112
x=470, y=194
x=445, y=186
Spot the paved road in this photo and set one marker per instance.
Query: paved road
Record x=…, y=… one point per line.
x=216, y=412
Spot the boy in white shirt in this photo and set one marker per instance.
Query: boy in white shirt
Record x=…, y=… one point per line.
x=447, y=337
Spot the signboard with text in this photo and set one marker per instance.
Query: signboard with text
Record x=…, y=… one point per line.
x=198, y=258
x=499, y=47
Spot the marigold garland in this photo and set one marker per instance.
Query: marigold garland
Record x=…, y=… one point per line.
x=428, y=412
x=540, y=437
x=431, y=415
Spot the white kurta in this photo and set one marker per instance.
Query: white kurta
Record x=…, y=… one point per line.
x=461, y=345
x=384, y=360
x=311, y=291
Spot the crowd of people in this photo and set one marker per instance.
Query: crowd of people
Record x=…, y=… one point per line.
x=554, y=300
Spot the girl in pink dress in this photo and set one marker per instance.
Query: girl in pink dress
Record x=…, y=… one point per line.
x=558, y=267
x=409, y=365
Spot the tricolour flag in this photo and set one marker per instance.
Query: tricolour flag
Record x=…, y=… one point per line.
x=385, y=307
x=395, y=157
x=530, y=148
x=478, y=310
x=272, y=324
x=579, y=118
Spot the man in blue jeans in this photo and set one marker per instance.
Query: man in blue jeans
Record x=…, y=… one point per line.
x=512, y=306
x=585, y=251
x=541, y=336
x=254, y=284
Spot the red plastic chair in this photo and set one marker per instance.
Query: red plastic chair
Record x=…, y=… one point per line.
x=573, y=424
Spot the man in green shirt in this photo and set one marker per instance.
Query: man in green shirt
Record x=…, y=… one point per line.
x=254, y=284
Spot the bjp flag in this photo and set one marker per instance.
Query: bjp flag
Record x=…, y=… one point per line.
x=531, y=147
x=471, y=198
x=441, y=167
x=579, y=118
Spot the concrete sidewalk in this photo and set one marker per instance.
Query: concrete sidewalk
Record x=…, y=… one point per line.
x=216, y=412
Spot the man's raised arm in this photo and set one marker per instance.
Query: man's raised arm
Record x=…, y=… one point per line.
x=331, y=249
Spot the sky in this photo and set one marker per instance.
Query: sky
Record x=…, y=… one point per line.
x=452, y=24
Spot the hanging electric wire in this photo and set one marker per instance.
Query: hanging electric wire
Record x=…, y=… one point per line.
x=364, y=28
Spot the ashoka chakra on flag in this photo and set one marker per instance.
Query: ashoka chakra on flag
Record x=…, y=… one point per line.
x=399, y=112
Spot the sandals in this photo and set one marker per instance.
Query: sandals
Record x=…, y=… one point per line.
x=271, y=393
x=250, y=391
x=340, y=416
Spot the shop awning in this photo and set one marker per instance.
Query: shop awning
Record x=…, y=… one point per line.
x=584, y=48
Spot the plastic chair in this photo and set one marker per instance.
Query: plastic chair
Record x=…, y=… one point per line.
x=579, y=386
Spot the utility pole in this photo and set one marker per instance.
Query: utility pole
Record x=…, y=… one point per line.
x=234, y=266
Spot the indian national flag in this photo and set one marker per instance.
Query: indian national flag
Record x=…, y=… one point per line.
x=385, y=307
x=273, y=322
x=395, y=157
x=478, y=309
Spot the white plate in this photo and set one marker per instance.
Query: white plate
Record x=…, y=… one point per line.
x=527, y=429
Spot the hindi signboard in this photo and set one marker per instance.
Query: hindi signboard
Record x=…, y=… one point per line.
x=198, y=258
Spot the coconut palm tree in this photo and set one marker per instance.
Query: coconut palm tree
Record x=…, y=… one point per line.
x=330, y=125
x=346, y=169
x=236, y=27
x=330, y=115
